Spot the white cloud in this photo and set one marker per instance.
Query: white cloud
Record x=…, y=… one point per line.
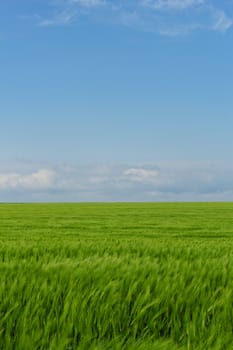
x=158, y=182
x=172, y=4
x=222, y=21
x=164, y=17
x=69, y=13
x=61, y=19
x=41, y=179
x=182, y=17
x=89, y=3
x=141, y=174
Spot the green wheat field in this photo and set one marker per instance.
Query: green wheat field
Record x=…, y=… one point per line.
x=116, y=276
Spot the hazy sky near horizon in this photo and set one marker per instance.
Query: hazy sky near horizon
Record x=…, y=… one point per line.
x=116, y=100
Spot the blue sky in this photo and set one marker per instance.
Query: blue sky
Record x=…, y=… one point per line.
x=116, y=100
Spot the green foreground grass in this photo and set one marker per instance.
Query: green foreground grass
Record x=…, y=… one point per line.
x=116, y=276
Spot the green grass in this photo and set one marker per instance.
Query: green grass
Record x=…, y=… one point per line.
x=116, y=276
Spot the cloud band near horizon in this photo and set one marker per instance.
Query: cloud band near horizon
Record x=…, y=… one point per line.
x=161, y=182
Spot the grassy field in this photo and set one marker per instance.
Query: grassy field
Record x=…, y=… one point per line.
x=116, y=276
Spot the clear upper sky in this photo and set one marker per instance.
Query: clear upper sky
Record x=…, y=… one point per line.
x=116, y=87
